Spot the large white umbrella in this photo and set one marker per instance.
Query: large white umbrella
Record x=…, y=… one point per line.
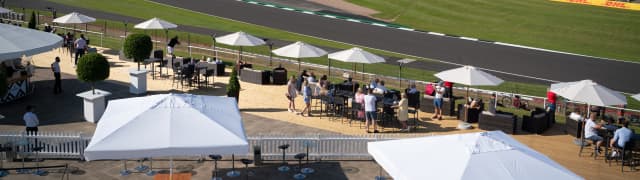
x=75, y=18
x=168, y=125
x=18, y=41
x=588, y=92
x=485, y=155
x=157, y=24
x=3, y=10
x=240, y=39
x=300, y=50
x=356, y=55
x=470, y=76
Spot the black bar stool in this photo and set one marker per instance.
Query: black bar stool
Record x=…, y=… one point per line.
x=215, y=158
x=246, y=163
x=284, y=167
x=124, y=171
x=151, y=172
x=3, y=172
x=38, y=171
x=233, y=172
x=299, y=157
x=307, y=170
x=141, y=167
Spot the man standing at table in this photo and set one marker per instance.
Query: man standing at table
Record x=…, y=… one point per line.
x=551, y=104
x=31, y=120
x=370, y=110
x=81, y=47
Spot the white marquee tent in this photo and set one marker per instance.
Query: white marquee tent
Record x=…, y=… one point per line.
x=479, y=156
x=168, y=125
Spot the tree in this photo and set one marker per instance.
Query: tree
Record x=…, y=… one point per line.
x=92, y=67
x=32, y=21
x=138, y=47
x=233, y=88
x=3, y=83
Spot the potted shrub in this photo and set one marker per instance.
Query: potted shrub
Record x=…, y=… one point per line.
x=138, y=47
x=93, y=67
x=233, y=88
x=32, y=21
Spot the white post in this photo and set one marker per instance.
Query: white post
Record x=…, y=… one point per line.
x=138, y=81
x=94, y=104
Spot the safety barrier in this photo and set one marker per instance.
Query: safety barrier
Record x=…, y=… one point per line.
x=66, y=145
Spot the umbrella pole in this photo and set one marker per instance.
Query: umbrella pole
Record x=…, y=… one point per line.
x=362, y=72
x=239, y=56
x=86, y=27
x=170, y=168
x=298, y=64
x=329, y=67
x=400, y=76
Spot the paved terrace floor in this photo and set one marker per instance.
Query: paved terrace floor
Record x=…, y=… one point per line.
x=263, y=108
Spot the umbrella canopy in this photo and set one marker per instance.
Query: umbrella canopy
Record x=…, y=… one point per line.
x=155, y=23
x=168, y=125
x=3, y=10
x=588, y=92
x=240, y=39
x=74, y=18
x=17, y=41
x=637, y=96
x=299, y=50
x=470, y=76
x=356, y=55
x=485, y=155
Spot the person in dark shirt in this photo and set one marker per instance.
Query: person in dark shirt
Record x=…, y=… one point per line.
x=172, y=43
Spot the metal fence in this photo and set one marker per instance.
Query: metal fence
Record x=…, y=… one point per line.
x=71, y=145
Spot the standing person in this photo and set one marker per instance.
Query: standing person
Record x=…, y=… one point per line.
x=591, y=131
x=291, y=94
x=359, y=98
x=81, y=47
x=306, y=93
x=172, y=44
x=492, y=103
x=551, y=104
x=31, y=120
x=403, y=112
x=438, y=101
x=55, y=67
x=370, y=110
x=448, y=89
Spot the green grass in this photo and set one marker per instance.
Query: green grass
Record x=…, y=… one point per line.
x=185, y=17
x=589, y=30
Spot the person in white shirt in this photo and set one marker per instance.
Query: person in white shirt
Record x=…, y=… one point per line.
x=591, y=130
x=380, y=89
x=81, y=47
x=370, y=110
x=31, y=120
x=437, y=102
x=55, y=67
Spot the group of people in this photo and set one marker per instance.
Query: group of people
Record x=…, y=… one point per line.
x=300, y=86
x=621, y=135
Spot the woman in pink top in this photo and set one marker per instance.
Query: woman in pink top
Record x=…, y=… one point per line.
x=360, y=99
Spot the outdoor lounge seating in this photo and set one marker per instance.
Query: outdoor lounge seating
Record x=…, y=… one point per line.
x=255, y=76
x=537, y=122
x=279, y=76
x=471, y=116
x=505, y=122
x=426, y=105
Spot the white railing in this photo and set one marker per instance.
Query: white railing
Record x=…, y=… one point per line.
x=68, y=145
x=71, y=145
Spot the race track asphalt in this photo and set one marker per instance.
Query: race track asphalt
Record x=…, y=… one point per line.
x=617, y=75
